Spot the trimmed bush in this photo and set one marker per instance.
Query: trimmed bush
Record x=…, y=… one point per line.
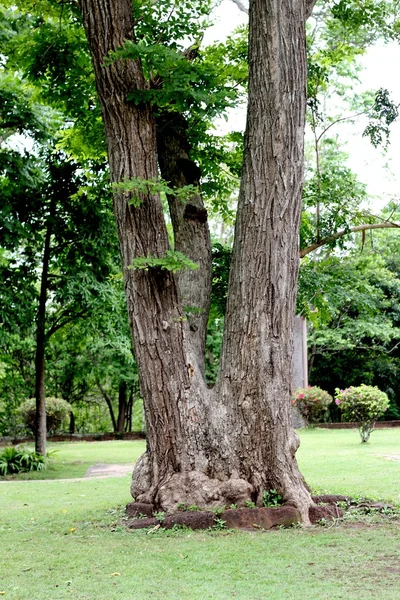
x=312, y=403
x=19, y=459
x=57, y=410
x=363, y=405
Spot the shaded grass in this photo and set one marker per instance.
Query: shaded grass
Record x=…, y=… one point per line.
x=63, y=539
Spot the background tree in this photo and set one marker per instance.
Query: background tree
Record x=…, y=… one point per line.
x=50, y=234
x=354, y=322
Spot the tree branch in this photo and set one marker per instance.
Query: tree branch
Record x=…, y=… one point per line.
x=344, y=232
x=241, y=6
x=355, y=115
x=63, y=319
x=309, y=7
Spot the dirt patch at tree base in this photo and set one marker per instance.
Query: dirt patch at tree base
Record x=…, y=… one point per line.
x=325, y=508
x=240, y=518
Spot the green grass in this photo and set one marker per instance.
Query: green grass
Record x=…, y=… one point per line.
x=63, y=539
x=68, y=460
x=336, y=461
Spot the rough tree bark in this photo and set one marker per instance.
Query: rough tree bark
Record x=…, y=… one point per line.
x=229, y=444
x=190, y=226
x=258, y=340
x=172, y=386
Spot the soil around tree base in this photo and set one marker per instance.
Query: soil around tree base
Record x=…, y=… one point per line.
x=141, y=516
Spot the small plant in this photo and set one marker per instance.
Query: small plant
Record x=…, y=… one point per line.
x=250, y=504
x=271, y=498
x=233, y=506
x=19, y=459
x=57, y=410
x=219, y=524
x=297, y=525
x=218, y=511
x=312, y=403
x=160, y=516
x=184, y=508
x=363, y=405
x=343, y=504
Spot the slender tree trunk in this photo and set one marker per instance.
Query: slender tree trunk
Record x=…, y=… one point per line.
x=122, y=406
x=311, y=360
x=40, y=422
x=71, y=422
x=109, y=405
x=190, y=226
x=204, y=447
x=128, y=425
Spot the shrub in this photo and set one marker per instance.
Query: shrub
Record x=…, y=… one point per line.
x=363, y=405
x=57, y=410
x=19, y=459
x=312, y=403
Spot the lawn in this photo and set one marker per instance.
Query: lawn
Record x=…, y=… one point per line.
x=336, y=461
x=62, y=539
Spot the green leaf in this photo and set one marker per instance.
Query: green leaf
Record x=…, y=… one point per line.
x=172, y=261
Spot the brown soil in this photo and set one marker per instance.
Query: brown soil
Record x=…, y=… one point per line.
x=239, y=518
x=389, y=456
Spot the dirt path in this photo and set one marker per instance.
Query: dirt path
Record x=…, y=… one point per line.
x=104, y=470
x=389, y=456
x=97, y=471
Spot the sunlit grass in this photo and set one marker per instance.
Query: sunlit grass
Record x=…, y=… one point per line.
x=68, y=460
x=63, y=539
x=336, y=461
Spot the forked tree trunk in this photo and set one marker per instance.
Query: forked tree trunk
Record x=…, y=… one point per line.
x=204, y=447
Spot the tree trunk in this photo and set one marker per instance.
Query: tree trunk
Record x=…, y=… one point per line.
x=122, y=406
x=129, y=408
x=190, y=226
x=258, y=339
x=109, y=405
x=171, y=382
x=40, y=421
x=203, y=447
x=71, y=423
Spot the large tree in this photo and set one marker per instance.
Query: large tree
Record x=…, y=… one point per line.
x=231, y=443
